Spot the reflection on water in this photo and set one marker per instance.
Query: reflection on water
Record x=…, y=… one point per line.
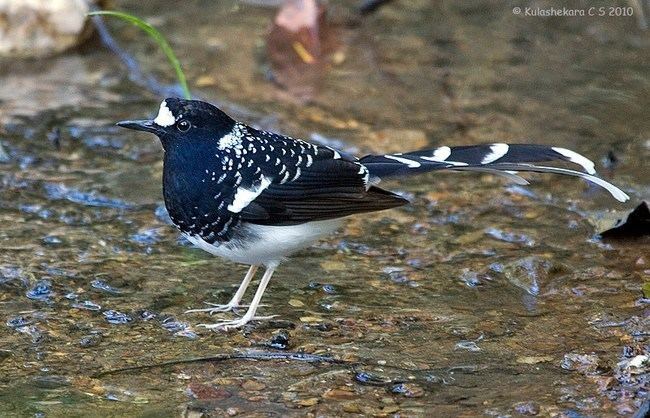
x=477, y=299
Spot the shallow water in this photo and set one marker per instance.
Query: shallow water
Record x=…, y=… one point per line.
x=479, y=299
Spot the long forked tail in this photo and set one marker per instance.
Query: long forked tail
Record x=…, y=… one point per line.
x=501, y=159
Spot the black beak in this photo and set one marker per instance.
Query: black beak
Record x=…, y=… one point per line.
x=140, y=125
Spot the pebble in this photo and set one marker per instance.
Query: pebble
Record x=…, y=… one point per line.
x=340, y=394
x=202, y=391
x=409, y=390
x=115, y=317
x=280, y=341
x=253, y=385
x=638, y=361
x=90, y=340
x=584, y=363
x=534, y=359
x=526, y=408
x=308, y=402
x=296, y=303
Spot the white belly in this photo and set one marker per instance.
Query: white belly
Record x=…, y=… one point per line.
x=267, y=245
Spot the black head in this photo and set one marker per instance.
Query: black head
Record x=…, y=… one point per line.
x=179, y=121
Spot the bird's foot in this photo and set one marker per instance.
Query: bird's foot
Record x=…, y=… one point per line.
x=235, y=323
x=216, y=308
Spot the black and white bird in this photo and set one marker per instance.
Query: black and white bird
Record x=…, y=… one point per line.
x=255, y=197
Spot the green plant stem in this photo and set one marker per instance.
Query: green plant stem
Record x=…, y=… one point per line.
x=158, y=38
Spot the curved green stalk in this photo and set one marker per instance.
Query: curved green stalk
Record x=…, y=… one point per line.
x=158, y=38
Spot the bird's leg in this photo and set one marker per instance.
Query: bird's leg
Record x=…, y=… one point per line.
x=250, y=313
x=234, y=302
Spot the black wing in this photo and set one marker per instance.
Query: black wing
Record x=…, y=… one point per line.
x=315, y=183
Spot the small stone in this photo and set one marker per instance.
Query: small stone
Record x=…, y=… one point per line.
x=310, y=319
x=638, y=361
x=90, y=340
x=333, y=266
x=308, y=402
x=606, y=383
x=280, y=341
x=584, y=363
x=202, y=391
x=41, y=28
x=526, y=408
x=296, y=303
x=339, y=394
x=232, y=411
x=390, y=409
x=534, y=359
x=253, y=385
x=409, y=390
x=351, y=408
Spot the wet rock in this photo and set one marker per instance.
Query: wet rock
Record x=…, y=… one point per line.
x=296, y=303
x=253, y=385
x=116, y=318
x=13, y=274
x=180, y=329
x=146, y=237
x=534, y=359
x=307, y=402
x=62, y=192
x=18, y=321
x=100, y=284
x=280, y=341
x=147, y=315
x=638, y=364
x=41, y=291
x=371, y=379
x=34, y=28
x=90, y=340
x=527, y=273
x=34, y=333
x=583, y=363
x=409, y=390
x=87, y=305
x=526, y=408
x=340, y=394
x=51, y=240
x=509, y=237
x=398, y=275
x=467, y=346
x=471, y=278
x=202, y=391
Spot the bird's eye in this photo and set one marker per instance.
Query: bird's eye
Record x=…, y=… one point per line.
x=183, y=125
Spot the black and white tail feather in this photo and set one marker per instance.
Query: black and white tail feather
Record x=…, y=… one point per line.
x=505, y=160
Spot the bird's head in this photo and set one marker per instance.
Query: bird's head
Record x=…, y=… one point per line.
x=184, y=121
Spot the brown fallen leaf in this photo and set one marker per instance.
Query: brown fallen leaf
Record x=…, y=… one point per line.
x=297, y=46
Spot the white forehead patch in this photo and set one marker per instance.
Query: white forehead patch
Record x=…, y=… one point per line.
x=165, y=116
